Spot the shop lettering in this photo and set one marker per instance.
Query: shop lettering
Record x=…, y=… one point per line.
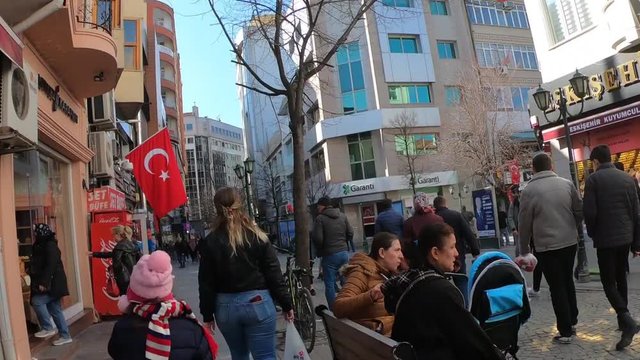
x=614, y=117
x=429, y=180
x=610, y=80
x=53, y=94
x=111, y=220
x=348, y=189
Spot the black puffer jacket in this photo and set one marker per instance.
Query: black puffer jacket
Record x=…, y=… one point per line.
x=124, y=256
x=254, y=267
x=129, y=338
x=331, y=231
x=431, y=317
x=46, y=269
x=610, y=208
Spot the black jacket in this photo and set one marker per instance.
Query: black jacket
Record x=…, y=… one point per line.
x=124, y=256
x=610, y=208
x=464, y=236
x=129, y=337
x=331, y=231
x=254, y=267
x=46, y=269
x=432, y=317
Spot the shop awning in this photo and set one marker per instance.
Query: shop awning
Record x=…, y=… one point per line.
x=10, y=44
x=524, y=136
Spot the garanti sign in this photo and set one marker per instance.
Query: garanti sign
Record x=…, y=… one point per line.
x=392, y=183
x=611, y=80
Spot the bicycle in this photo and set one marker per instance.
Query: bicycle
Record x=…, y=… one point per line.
x=304, y=317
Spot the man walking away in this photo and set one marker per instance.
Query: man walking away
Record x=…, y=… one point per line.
x=611, y=215
x=550, y=213
x=388, y=219
x=331, y=231
x=471, y=220
x=464, y=239
x=504, y=230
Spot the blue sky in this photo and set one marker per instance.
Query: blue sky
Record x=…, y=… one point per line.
x=208, y=76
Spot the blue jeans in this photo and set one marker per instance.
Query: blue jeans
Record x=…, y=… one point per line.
x=330, y=266
x=248, y=327
x=47, y=307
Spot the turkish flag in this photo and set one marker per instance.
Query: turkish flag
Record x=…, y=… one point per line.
x=156, y=171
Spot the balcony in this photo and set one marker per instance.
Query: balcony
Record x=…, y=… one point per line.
x=76, y=42
x=165, y=50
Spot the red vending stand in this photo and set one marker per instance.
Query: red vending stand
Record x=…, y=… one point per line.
x=107, y=207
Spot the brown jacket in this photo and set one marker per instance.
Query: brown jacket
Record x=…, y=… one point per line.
x=354, y=302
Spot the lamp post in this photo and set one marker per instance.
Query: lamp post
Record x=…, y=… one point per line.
x=542, y=97
x=244, y=173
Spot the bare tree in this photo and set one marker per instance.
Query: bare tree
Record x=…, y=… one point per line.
x=403, y=126
x=269, y=184
x=479, y=139
x=317, y=187
x=298, y=29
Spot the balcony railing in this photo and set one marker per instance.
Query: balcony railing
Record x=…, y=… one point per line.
x=96, y=14
x=165, y=49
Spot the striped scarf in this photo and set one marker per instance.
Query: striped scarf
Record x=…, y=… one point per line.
x=158, y=346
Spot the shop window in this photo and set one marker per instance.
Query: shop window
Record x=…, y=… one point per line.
x=131, y=44
x=43, y=195
x=354, y=95
x=361, y=158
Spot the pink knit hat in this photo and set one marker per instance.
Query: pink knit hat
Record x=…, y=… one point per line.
x=151, y=279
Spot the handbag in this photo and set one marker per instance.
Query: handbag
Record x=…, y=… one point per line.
x=111, y=286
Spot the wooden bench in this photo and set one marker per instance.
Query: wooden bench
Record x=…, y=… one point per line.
x=352, y=341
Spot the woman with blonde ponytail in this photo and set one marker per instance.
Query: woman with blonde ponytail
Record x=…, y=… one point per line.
x=238, y=278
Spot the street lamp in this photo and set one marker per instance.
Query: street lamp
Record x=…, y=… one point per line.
x=580, y=85
x=244, y=173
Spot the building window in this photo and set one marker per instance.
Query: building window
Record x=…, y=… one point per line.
x=492, y=55
x=416, y=144
x=354, y=95
x=519, y=97
x=452, y=95
x=447, y=49
x=189, y=140
x=438, y=7
x=486, y=13
x=404, y=44
x=189, y=127
x=410, y=94
x=568, y=18
x=363, y=165
x=131, y=45
x=398, y=3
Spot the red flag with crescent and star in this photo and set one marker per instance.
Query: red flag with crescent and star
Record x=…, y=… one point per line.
x=156, y=170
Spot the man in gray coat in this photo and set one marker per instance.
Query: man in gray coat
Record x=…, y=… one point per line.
x=331, y=231
x=611, y=215
x=550, y=213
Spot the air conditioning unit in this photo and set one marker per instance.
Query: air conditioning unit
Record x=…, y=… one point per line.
x=18, y=107
x=102, y=112
x=102, y=163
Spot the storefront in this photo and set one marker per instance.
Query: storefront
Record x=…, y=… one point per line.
x=611, y=116
x=45, y=185
x=361, y=199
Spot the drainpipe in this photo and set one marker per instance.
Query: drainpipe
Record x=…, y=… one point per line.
x=40, y=14
x=6, y=335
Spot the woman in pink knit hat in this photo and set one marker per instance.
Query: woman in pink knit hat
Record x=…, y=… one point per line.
x=156, y=326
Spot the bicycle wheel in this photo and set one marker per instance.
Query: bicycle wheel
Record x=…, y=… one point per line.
x=305, y=319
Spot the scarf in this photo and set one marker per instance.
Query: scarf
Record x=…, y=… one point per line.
x=158, y=346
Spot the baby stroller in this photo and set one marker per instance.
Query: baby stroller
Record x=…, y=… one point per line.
x=498, y=299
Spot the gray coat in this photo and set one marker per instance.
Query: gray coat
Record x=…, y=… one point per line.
x=611, y=208
x=550, y=213
x=331, y=231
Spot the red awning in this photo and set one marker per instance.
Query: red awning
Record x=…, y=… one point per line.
x=10, y=44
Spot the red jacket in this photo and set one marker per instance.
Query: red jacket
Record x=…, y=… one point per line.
x=410, y=232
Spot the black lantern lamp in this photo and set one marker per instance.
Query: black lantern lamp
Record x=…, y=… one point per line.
x=580, y=84
x=248, y=165
x=239, y=171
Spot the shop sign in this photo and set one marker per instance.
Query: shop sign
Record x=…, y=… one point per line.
x=106, y=199
x=53, y=94
x=113, y=218
x=392, y=183
x=348, y=189
x=607, y=118
x=610, y=80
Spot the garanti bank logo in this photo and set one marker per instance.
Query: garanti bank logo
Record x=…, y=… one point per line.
x=346, y=189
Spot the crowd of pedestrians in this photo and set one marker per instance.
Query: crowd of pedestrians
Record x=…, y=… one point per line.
x=411, y=286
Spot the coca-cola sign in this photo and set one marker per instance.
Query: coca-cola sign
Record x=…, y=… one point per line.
x=109, y=220
x=115, y=218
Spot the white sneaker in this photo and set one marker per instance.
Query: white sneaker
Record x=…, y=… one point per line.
x=532, y=293
x=62, y=341
x=45, y=333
